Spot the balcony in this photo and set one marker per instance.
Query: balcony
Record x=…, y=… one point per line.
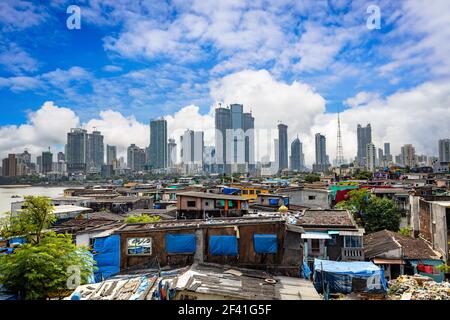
x=352, y=254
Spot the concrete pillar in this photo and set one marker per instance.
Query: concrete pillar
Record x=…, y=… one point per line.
x=200, y=246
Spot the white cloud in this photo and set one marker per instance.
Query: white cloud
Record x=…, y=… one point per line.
x=296, y=104
x=120, y=131
x=418, y=116
x=361, y=98
x=18, y=14
x=48, y=126
x=190, y=118
x=15, y=59
x=111, y=68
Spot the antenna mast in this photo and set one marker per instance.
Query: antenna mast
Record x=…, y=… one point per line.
x=339, y=149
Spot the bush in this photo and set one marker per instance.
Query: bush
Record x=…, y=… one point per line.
x=42, y=270
x=144, y=218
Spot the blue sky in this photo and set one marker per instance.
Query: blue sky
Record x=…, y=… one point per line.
x=153, y=58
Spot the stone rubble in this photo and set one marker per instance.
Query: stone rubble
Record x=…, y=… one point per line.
x=418, y=288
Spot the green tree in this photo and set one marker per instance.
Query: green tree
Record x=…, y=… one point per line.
x=406, y=231
x=310, y=178
x=38, y=271
x=381, y=214
x=143, y=218
x=357, y=203
x=36, y=216
x=364, y=175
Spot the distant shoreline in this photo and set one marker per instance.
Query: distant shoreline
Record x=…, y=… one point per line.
x=13, y=186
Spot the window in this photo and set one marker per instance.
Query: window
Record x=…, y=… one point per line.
x=352, y=242
x=311, y=197
x=244, y=191
x=273, y=202
x=258, y=191
x=220, y=204
x=191, y=204
x=206, y=203
x=252, y=191
x=315, y=245
x=139, y=246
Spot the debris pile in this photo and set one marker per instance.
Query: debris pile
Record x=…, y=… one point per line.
x=418, y=288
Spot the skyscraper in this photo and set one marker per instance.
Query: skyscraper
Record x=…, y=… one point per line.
x=234, y=139
x=111, y=154
x=47, y=162
x=380, y=157
x=135, y=158
x=39, y=164
x=283, y=146
x=297, y=156
x=321, y=164
x=387, y=153
x=192, y=144
x=172, y=153
x=61, y=156
x=9, y=166
x=408, y=155
x=158, y=144
x=96, y=151
x=222, y=125
x=249, y=132
x=444, y=150
x=76, y=150
x=370, y=157
x=364, y=136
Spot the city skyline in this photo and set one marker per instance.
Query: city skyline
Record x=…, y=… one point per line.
x=299, y=70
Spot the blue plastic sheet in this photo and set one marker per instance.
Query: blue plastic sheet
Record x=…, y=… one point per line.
x=265, y=243
x=17, y=240
x=306, y=271
x=223, y=246
x=231, y=191
x=107, y=256
x=340, y=276
x=273, y=202
x=180, y=243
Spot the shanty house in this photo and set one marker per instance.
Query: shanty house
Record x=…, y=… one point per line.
x=399, y=254
x=199, y=205
x=330, y=235
x=246, y=242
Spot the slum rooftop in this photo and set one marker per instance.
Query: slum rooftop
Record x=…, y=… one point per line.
x=382, y=241
x=201, y=280
x=324, y=218
x=206, y=195
x=181, y=224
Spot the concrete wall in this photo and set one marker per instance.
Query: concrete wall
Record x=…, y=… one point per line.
x=414, y=213
x=246, y=254
x=439, y=229
x=319, y=198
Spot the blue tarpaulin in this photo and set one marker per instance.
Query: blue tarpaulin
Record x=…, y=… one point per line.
x=17, y=240
x=107, y=256
x=231, y=191
x=223, y=246
x=265, y=243
x=347, y=277
x=306, y=271
x=180, y=243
